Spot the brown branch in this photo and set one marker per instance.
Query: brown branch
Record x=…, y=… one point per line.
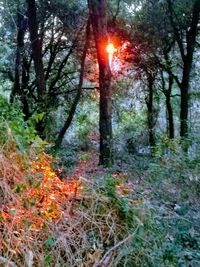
x=169, y=71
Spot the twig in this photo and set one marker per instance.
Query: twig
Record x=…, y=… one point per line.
x=7, y=262
x=29, y=258
x=99, y=263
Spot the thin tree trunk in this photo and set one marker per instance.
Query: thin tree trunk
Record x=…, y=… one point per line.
x=170, y=117
x=167, y=93
x=24, y=86
x=150, y=111
x=72, y=111
x=99, y=23
x=18, y=62
x=184, y=90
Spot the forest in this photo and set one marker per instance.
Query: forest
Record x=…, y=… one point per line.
x=99, y=133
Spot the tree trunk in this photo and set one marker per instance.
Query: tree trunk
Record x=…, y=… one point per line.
x=98, y=17
x=20, y=83
x=191, y=36
x=24, y=86
x=79, y=91
x=150, y=111
x=167, y=90
x=18, y=61
x=170, y=117
x=184, y=90
x=36, y=46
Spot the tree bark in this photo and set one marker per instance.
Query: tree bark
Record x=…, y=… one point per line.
x=72, y=111
x=36, y=46
x=167, y=90
x=98, y=17
x=18, y=61
x=20, y=82
x=24, y=86
x=170, y=115
x=150, y=111
x=184, y=90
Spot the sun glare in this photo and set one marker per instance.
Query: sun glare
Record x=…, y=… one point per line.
x=110, y=49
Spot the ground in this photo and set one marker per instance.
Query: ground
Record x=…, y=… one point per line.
x=142, y=212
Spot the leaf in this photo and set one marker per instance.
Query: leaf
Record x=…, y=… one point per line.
x=27, y=223
x=50, y=241
x=48, y=259
x=19, y=188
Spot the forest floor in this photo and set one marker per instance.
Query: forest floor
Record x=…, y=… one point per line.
x=142, y=212
x=168, y=187
x=170, y=190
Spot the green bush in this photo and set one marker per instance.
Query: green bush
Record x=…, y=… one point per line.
x=14, y=127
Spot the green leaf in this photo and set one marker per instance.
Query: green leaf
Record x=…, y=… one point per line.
x=50, y=241
x=19, y=188
x=48, y=259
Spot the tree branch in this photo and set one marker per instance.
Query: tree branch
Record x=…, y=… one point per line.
x=175, y=30
x=79, y=91
x=117, y=11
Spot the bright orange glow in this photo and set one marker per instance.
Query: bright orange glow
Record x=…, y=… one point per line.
x=110, y=49
x=43, y=195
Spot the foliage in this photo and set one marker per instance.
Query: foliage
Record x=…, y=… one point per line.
x=66, y=159
x=131, y=132
x=30, y=191
x=172, y=177
x=34, y=197
x=24, y=133
x=107, y=218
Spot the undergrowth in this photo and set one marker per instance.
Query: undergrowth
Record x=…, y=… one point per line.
x=48, y=222
x=89, y=218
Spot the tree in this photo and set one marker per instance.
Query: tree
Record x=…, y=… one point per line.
x=186, y=39
x=20, y=78
x=166, y=87
x=98, y=15
x=36, y=45
x=169, y=24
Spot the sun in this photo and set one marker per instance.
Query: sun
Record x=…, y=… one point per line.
x=110, y=49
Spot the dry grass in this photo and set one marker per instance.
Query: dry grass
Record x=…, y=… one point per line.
x=48, y=222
